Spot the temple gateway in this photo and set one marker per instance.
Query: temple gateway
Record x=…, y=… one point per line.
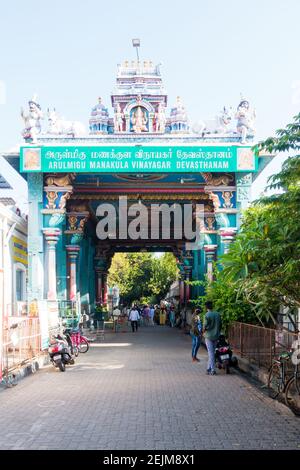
x=145, y=153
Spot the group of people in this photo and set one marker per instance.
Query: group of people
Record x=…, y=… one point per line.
x=211, y=330
x=148, y=315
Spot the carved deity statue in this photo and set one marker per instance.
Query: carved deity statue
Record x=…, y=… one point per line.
x=227, y=196
x=51, y=197
x=215, y=199
x=118, y=118
x=210, y=220
x=139, y=120
x=245, y=119
x=160, y=118
x=63, y=200
x=32, y=120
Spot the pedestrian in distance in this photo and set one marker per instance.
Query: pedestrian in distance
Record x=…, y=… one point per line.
x=172, y=316
x=134, y=317
x=151, y=315
x=212, y=330
x=196, y=333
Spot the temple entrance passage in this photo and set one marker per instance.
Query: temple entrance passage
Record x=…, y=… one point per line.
x=140, y=282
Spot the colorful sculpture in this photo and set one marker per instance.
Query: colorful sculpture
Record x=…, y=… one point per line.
x=32, y=120
x=118, y=118
x=139, y=120
x=245, y=119
x=57, y=125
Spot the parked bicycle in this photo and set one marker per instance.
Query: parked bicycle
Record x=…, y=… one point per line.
x=280, y=382
x=80, y=343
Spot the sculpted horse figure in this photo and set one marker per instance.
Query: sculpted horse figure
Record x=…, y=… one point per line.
x=58, y=125
x=218, y=125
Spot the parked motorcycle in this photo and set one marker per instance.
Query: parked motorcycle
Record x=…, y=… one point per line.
x=60, y=352
x=223, y=354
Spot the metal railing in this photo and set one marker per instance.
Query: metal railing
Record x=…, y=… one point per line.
x=258, y=344
x=21, y=342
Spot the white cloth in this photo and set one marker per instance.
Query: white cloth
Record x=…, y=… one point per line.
x=134, y=315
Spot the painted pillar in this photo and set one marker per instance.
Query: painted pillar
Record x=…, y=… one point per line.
x=210, y=254
x=243, y=192
x=51, y=237
x=99, y=296
x=181, y=285
x=195, y=273
x=73, y=252
x=181, y=292
x=104, y=281
x=187, y=270
x=227, y=236
x=35, y=287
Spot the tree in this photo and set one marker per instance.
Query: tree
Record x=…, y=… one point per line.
x=261, y=270
x=142, y=276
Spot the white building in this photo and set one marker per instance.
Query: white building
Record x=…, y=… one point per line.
x=13, y=242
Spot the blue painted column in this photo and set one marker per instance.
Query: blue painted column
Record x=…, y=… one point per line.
x=73, y=252
x=227, y=236
x=210, y=256
x=35, y=287
x=243, y=193
x=51, y=238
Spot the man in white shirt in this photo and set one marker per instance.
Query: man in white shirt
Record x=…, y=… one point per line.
x=134, y=316
x=116, y=312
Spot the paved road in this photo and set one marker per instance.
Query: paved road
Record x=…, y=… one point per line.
x=142, y=391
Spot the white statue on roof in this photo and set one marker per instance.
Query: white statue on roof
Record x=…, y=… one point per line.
x=60, y=126
x=32, y=120
x=245, y=116
x=160, y=118
x=118, y=118
x=220, y=124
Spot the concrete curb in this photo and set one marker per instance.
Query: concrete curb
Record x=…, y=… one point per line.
x=29, y=368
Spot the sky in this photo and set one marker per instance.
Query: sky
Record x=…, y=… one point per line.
x=67, y=52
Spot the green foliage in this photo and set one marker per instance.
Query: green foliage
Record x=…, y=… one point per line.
x=261, y=270
x=142, y=277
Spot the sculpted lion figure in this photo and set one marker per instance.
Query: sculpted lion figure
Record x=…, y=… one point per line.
x=60, y=180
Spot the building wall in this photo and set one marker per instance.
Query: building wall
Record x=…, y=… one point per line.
x=13, y=258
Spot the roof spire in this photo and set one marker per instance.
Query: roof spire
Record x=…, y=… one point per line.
x=136, y=43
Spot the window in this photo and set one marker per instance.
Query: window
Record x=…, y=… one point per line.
x=20, y=285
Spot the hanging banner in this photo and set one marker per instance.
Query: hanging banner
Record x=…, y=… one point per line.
x=137, y=158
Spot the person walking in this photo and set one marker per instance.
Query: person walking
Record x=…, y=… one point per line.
x=134, y=316
x=162, y=315
x=212, y=329
x=196, y=333
x=151, y=315
x=172, y=316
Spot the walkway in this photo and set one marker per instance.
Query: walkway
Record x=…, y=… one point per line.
x=142, y=391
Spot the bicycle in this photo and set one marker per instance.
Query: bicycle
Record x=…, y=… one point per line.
x=279, y=382
x=292, y=392
x=79, y=341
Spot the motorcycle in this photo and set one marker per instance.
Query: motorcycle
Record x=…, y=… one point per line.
x=60, y=352
x=223, y=355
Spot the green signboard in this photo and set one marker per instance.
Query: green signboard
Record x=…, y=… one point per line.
x=137, y=159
